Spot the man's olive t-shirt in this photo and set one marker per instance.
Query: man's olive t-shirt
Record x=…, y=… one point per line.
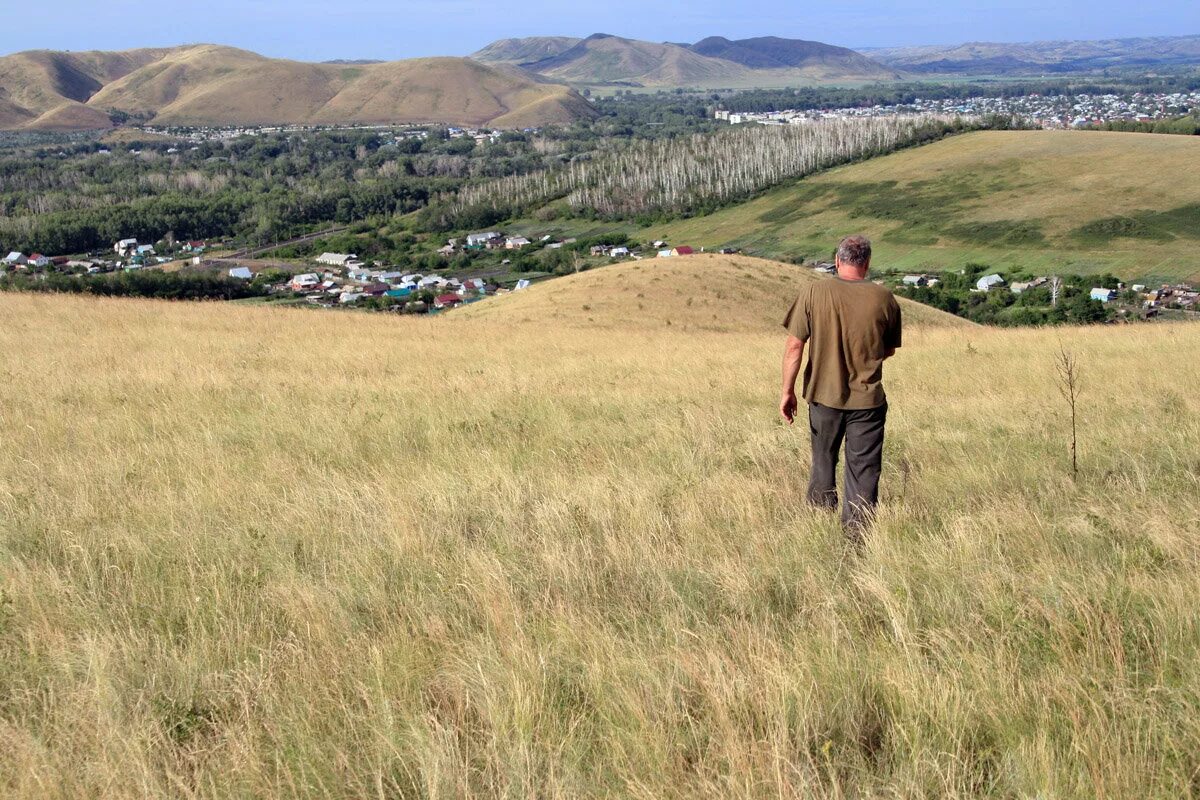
x=849, y=326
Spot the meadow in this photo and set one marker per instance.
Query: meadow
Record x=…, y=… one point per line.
x=1042, y=201
x=555, y=545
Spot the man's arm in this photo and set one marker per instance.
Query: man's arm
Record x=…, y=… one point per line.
x=893, y=336
x=793, y=355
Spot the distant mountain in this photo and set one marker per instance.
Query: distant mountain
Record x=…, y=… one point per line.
x=772, y=52
x=989, y=58
x=603, y=59
x=526, y=50
x=214, y=85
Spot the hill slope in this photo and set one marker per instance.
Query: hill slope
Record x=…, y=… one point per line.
x=702, y=292
x=525, y=50
x=990, y=58
x=1077, y=201
x=214, y=85
x=278, y=553
x=812, y=58
x=603, y=59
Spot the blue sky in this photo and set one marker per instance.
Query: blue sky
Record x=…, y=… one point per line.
x=326, y=29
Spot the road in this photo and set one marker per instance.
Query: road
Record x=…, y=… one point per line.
x=308, y=237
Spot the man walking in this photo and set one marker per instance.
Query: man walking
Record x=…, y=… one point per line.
x=850, y=326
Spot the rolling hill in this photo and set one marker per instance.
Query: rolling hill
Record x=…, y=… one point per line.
x=1083, y=202
x=214, y=85
x=525, y=50
x=774, y=53
x=702, y=292
x=262, y=552
x=991, y=58
x=602, y=59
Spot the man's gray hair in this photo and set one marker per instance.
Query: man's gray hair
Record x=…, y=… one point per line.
x=855, y=251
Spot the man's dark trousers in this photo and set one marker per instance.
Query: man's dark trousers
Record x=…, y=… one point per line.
x=862, y=431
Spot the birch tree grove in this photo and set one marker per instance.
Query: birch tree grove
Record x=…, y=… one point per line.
x=701, y=171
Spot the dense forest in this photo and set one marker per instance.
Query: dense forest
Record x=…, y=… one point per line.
x=140, y=283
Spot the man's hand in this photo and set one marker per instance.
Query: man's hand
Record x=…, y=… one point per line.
x=793, y=354
x=787, y=407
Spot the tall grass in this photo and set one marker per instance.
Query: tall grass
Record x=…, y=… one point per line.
x=255, y=552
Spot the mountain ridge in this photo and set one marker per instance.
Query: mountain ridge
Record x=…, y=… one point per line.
x=605, y=59
x=1040, y=56
x=209, y=84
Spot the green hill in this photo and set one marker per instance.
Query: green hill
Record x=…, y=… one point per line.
x=1068, y=201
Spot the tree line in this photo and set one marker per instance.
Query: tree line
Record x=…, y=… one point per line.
x=687, y=175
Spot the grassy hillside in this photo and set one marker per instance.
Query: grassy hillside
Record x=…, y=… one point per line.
x=44, y=89
x=1042, y=200
x=702, y=292
x=213, y=85
x=256, y=552
x=525, y=50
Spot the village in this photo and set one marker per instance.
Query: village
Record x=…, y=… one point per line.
x=1122, y=300
x=1046, y=111
x=398, y=133
x=340, y=280
x=343, y=280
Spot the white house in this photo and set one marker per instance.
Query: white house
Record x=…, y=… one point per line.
x=988, y=282
x=125, y=246
x=243, y=273
x=515, y=242
x=480, y=239
x=914, y=280
x=665, y=253
x=1103, y=295
x=15, y=259
x=618, y=252
x=307, y=280
x=335, y=259
x=39, y=260
x=521, y=284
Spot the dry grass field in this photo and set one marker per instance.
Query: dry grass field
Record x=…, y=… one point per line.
x=255, y=552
